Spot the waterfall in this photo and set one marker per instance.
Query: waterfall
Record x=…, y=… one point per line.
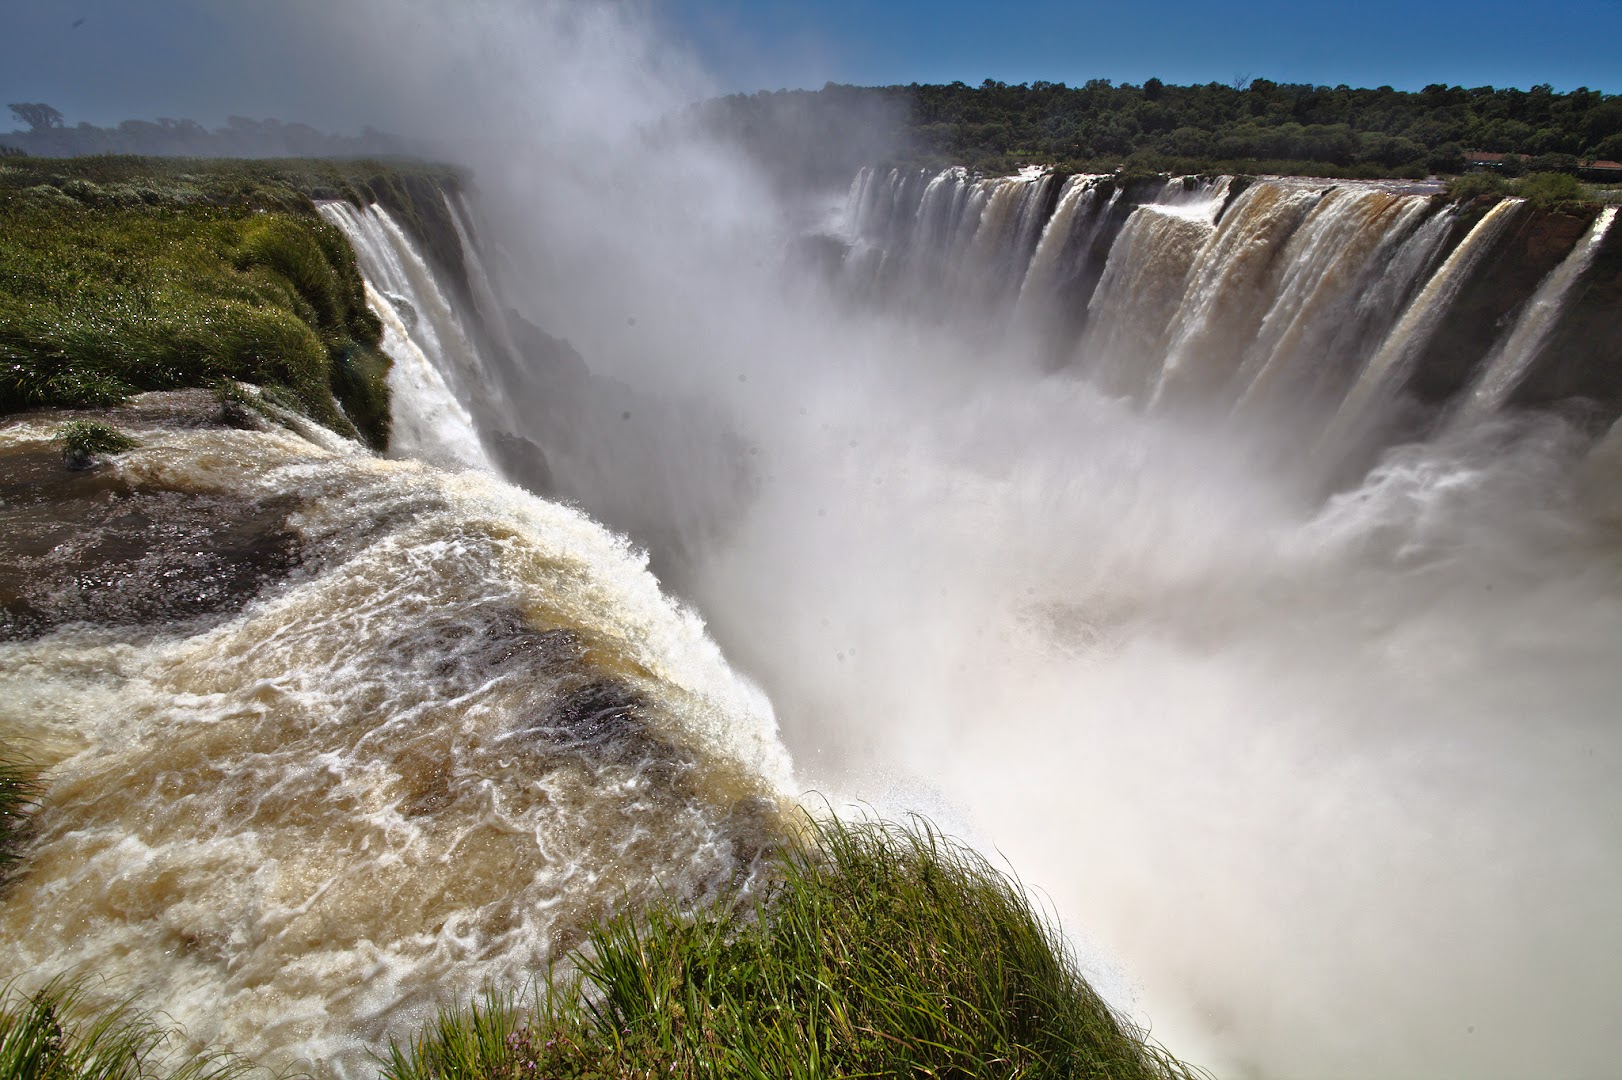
x=1028, y=598
x=1509, y=361
x=1080, y=611
x=1383, y=373
x=428, y=422
x=1054, y=250
x=1131, y=312
x=1085, y=610
x=1309, y=303
x=947, y=241
x=1228, y=288
x=439, y=379
x=1309, y=342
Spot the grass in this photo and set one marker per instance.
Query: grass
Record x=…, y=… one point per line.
x=20, y=791
x=85, y=440
x=123, y=274
x=54, y=1035
x=284, y=184
x=882, y=951
x=97, y=304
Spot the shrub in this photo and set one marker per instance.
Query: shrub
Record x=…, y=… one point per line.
x=1551, y=190
x=1474, y=184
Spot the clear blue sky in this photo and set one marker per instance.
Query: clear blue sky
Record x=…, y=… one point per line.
x=761, y=43
x=210, y=58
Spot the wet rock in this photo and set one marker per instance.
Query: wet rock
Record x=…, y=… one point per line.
x=89, y=546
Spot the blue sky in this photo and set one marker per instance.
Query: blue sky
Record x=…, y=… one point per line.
x=1567, y=43
x=210, y=58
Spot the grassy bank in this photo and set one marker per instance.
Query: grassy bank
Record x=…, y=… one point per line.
x=119, y=275
x=881, y=951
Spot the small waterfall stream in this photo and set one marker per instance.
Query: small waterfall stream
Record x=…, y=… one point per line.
x=1509, y=361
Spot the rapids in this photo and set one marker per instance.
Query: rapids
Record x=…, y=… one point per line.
x=464, y=724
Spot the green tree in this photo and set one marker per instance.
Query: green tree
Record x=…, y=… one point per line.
x=36, y=114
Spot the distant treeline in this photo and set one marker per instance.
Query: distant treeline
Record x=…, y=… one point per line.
x=1335, y=130
x=45, y=134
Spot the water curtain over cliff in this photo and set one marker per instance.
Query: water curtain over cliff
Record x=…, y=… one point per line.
x=1298, y=299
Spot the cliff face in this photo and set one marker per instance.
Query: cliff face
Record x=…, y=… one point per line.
x=1486, y=308
x=1583, y=359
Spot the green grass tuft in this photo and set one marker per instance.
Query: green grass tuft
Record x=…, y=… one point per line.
x=85, y=440
x=882, y=951
x=54, y=1035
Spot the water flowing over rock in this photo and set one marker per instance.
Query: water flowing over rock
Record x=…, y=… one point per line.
x=1310, y=302
x=333, y=740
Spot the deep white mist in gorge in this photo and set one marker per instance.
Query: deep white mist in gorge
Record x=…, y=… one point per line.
x=1318, y=773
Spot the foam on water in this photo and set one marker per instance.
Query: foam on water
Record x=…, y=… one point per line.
x=469, y=722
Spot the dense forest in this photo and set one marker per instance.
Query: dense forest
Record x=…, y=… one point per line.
x=44, y=132
x=1246, y=126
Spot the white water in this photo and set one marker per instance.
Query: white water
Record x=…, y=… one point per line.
x=471, y=723
x=437, y=365
x=1138, y=297
x=428, y=423
x=1075, y=198
x=1226, y=290
x=1349, y=249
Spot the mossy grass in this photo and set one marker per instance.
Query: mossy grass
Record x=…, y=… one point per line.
x=882, y=950
x=1473, y=185
x=99, y=303
x=1544, y=190
x=85, y=440
x=53, y=1034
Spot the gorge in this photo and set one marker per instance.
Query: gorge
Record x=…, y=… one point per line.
x=1237, y=555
